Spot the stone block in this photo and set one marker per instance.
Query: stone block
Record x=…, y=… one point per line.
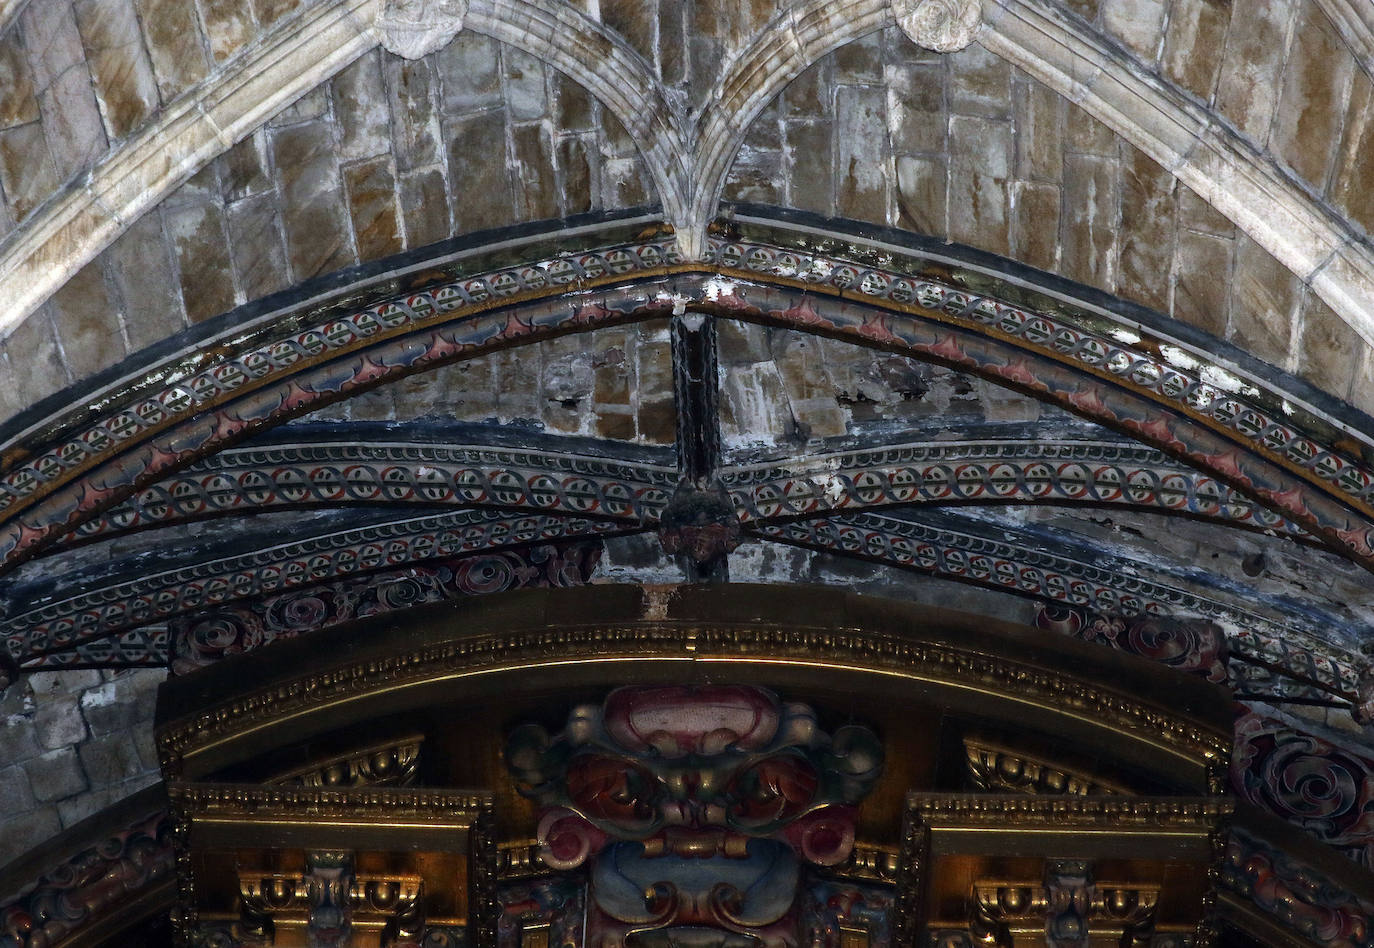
x=575, y=171
x=1089, y=223
x=66, y=682
x=1086, y=135
x=23, y=834
x=424, y=206
x=980, y=161
x=1196, y=214
x=1329, y=351
x=477, y=170
x=517, y=385
x=859, y=61
x=36, y=367
x=173, y=37
x=27, y=174
x=87, y=315
x=15, y=790
x=243, y=168
x=758, y=410
x=1264, y=294
x=812, y=93
x=572, y=106
x=412, y=94
x=141, y=266
x=1147, y=230
x=636, y=21
x=115, y=707
x=527, y=95
x=657, y=421
x=1202, y=269
x=18, y=104
x=71, y=119
x=361, y=110
x=1036, y=224
x=18, y=740
x=111, y=760
x=921, y=195
x=313, y=218
x=257, y=247
x=1352, y=187
x=979, y=83
x=1196, y=31
x=808, y=159
x=672, y=42
x=470, y=73
x=125, y=87
x=1040, y=119
x=757, y=171
x=55, y=775
x=532, y=176
x=58, y=722
x=230, y=26
x=201, y=244
x=76, y=809
x=1247, y=89
x=371, y=188
x=625, y=183
x=1138, y=24
x=314, y=104
x=270, y=11
x=915, y=107
x=1313, y=101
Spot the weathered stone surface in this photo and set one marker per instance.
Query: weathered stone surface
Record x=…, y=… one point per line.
x=574, y=165
x=245, y=168
x=808, y=157
x=481, y=188
x=532, y=172
x=371, y=187
x=36, y=368
x=424, y=206
x=200, y=241
x=414, y=110
x=636, y=21
x=757, y=171
x=1312, y=104
x=15, y=792
x=1039, y=132
x=142, y=269
x=257, y=246
x=812, y=93
x=980, y=84
x=109, y=761
x=1086, y=135
x=859, y=62
x=173, y=35
x=1250, y=65
x=124, y=84
x=1148, y=211
x=1197, y=30
x=1089, y=224
x=1200, y=291
x=1137, y=23
x=862, y=165
x=270, y=11
x=87, y=316
x=317, y=234
x=71, y=119
x=1263, y=296
x=915, y=108
x=18, y=105
x=26, y=173
x=1035, y=236
x=1196, y=214
x=55, y=775
x=1353, y=184
x=229, y=24
x=360, y=105
x=314, y=104
x=22, y=834
x=58, y=722
x=921, y=195
x=980, y=159
x=1328, y=349
x=116, y=706
x=527, y=95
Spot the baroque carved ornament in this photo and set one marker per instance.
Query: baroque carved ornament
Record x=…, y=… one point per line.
x=943, y=26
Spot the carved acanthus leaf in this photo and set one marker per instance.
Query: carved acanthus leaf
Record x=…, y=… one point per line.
x=944, y=26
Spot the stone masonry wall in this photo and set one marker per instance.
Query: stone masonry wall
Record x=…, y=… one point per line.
x=71, y=744
x=387, y=156
x=967, y=148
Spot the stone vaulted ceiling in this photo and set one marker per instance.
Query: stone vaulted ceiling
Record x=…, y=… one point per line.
x=1069, y=325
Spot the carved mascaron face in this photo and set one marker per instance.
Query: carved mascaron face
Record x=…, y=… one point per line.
x=695, y=805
